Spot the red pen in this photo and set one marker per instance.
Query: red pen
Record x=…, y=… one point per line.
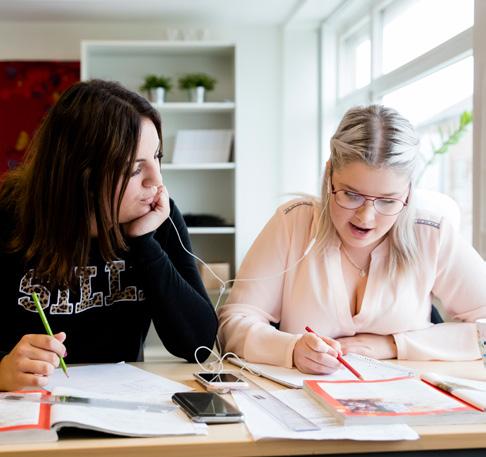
x=346, y=364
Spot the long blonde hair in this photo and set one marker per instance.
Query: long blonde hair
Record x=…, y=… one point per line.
x=378, y=137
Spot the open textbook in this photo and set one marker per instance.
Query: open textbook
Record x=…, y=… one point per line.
x=113, y=398
x=291, y=377
x=402, y=400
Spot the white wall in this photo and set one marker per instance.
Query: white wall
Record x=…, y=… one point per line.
x=257, y=124
x=258, y=95
x=299, y=165
x=479, y=191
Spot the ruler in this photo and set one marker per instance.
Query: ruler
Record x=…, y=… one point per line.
x=93, y=402
x=277, y=408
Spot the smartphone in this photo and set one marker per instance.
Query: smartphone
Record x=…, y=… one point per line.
x=207, y=407
x=222, y=382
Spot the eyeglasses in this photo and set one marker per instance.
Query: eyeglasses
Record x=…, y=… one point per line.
x=352, y=200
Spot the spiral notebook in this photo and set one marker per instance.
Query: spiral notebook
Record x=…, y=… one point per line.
x=370, y=369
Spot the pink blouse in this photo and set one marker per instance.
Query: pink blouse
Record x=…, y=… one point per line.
x=313, y=293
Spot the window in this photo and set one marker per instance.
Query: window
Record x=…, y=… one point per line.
x=427, y=97
x=355, y=60
x=411, y=28
x=415, y=56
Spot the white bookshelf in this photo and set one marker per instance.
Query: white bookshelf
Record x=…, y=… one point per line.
x=197, y=188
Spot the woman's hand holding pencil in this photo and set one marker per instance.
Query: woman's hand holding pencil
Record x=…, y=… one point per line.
x=316, y=355
x=31, y=361
x=339, y=357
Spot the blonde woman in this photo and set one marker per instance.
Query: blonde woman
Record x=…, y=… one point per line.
x=373, y=264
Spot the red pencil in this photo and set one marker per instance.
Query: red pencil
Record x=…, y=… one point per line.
x=346, y=364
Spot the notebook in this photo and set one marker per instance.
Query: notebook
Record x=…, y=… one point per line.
x=402, y=400
x=291, y=377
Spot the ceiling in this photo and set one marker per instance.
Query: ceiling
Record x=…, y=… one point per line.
x=255, y=12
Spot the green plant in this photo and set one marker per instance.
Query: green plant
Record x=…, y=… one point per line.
x=449, y=139
x=153, y=81
x=191, y=80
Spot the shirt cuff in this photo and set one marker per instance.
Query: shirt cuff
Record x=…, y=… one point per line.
x=289, y=357
x=401, y=346
x=146, y=248
x=274, y=349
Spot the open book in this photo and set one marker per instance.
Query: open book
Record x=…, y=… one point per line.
x=401, y=400
x=36, y=416
x=114, y=398
x=291, y=377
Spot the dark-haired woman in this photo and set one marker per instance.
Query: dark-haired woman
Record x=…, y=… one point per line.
x=85, y=223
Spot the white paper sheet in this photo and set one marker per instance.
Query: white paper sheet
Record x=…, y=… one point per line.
x=262, y=425
x=118, y=380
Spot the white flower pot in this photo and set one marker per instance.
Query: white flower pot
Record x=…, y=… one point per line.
x=197, y=94
x=157, y=95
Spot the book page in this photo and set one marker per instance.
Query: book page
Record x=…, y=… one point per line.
x=367, y=367
x=122, y=421
x=263, y=426
x=14, y=413
x=115, y=381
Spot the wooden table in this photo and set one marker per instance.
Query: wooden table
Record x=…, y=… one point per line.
x=233, y=440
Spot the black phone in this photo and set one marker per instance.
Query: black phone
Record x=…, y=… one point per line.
x=207, y=407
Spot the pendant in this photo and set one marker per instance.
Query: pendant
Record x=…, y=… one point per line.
x=362, y=273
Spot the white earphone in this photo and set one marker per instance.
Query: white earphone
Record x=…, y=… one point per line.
x=219, y=361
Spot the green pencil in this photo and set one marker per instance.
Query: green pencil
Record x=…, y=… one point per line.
x=48, y=328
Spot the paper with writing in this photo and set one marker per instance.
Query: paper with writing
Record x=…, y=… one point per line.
x=115, y=381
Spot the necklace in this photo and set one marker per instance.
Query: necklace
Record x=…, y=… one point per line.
x=362, y=270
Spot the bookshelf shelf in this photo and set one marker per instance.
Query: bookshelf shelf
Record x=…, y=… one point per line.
x=181, y=107
x=198, y=166
x=211, y=230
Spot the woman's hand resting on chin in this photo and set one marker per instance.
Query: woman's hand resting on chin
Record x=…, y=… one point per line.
x=158, y=214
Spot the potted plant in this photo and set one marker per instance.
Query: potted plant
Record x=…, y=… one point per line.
x=156, y=87
x=197, y=84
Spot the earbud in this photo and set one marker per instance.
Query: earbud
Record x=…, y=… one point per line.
x=308, y=249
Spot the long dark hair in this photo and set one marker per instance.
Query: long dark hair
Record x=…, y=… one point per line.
x=83, y=151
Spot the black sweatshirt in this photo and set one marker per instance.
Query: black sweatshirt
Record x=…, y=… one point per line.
x=107, y=318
